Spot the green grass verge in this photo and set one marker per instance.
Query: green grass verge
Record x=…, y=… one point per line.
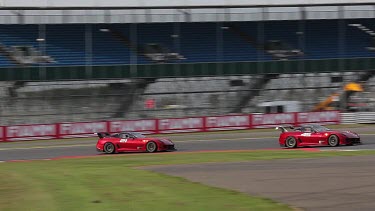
x=112, y=183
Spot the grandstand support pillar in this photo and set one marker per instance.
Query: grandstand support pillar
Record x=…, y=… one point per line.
x=219, y=48
x=133, y=39
x=341, y=37
x=301, y=37
x=261, y=39
x=176, y=42
x=88, y=51
x=42, y=48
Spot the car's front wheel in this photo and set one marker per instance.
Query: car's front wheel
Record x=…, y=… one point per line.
x=291, y=142
x=109, y=148
x=333, y=141
x=151, y=147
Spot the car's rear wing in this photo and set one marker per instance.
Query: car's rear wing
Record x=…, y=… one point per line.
x=283, y=128
x=102, y=134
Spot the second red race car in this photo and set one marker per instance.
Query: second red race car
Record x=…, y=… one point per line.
x=315, y=135
x=132, y=142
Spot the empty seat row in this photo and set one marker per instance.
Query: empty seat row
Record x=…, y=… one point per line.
x=103, y=44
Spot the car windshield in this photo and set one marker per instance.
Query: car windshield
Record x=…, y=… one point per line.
x=319, y=128
x=139, y=135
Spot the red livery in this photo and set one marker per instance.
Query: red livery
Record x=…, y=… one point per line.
x=315, y=135
x=131, y=142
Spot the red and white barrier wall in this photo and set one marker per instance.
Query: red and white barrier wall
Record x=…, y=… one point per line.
x=160, y=126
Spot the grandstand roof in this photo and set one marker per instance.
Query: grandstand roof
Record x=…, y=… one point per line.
x=163, y=4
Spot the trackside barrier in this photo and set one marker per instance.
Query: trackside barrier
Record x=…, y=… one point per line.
x=30, y=132
x=165, y=126
x=1, y=133
x=323, y=117
x=80, y=129
x=147, y=126
x=180, y=125
x=230, y=122
x=366, y=118
x=272, y=120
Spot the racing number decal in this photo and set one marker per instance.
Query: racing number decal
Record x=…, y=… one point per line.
x=124, y=140
x=306, y=134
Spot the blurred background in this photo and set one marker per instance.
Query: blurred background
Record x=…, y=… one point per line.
x=63, y=61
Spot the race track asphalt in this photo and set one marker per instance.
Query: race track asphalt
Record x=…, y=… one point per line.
x=341, y=183
x=244, y=140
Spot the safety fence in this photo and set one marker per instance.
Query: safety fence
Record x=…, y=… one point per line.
x=358, y=118
x=163, y=126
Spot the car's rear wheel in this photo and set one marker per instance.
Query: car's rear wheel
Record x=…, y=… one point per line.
x=151, y=147
x=109, y=148
x=291, y=142
x=333, y=141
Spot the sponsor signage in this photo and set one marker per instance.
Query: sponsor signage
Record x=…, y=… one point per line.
x=323, y=117
x=81, y=129
x=145, y=126
x=171, y=125
x=30, y=132
x=176, y=125
x=234, y=122
x=272, y=120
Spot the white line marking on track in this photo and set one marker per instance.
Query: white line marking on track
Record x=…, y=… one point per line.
x=345, y=150
x=350, y=150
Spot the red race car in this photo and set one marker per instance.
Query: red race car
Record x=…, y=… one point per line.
x=315, y=135
x=131, y=142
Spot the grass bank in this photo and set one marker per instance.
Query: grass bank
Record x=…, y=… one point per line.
x=112, y=183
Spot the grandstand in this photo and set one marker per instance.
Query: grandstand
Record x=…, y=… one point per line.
x=205, y=60
x=50, y=102
x=197, y=42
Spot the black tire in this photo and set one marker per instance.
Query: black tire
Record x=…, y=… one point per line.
x=109, y=148
x=291, y=142
x=333, y=141
x=151, y=147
